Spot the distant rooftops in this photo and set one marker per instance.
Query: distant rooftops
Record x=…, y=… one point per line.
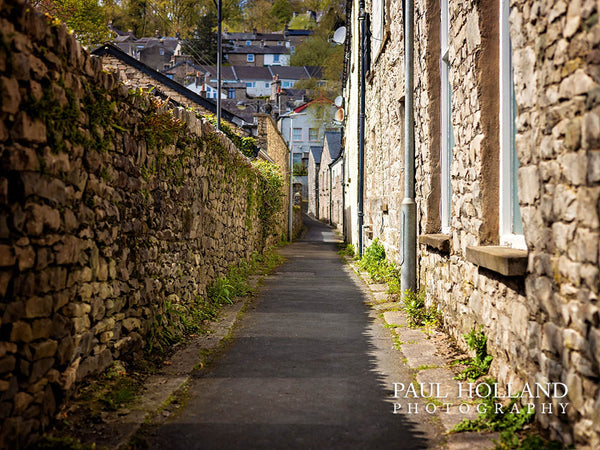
x=258, y=49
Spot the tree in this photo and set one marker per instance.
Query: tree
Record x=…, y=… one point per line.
x=282, y=11
x=258, y=15
x=203, y=46
x=86, y=18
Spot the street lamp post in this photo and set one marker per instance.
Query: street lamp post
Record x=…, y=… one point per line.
x=219, y=6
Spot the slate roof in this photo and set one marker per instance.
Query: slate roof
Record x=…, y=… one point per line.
x=334, y=143
x=290, y=72
x=316, y=151
x=253, y=73
x=259, y=50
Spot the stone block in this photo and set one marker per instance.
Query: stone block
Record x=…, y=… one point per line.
x=45, y=349
x=38, y=307
x=26, y=129
x=10, y=97
x=25, y=257
x=41, y=328
x=7, y=364
x=40, y=368
x=7, y=256
x=21, y=332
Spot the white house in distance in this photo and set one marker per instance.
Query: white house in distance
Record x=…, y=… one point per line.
x=305, y=126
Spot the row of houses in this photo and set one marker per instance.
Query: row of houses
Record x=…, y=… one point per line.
x=239, y=49
x=504, y=179
x=239, y=81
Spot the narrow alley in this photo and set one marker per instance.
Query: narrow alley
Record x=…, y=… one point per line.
x=309, y=367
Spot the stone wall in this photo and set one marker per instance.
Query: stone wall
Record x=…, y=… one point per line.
x=337, y=200
x=271, y=141
x=542, y=326
x=110, y=205
x=384, y=144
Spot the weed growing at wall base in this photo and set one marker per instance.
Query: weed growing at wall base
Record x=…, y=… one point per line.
x=510, y=420
x=418, y=315
x=378, y=268
x=480, y=364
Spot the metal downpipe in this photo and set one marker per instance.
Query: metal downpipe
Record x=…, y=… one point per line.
x=361, y=125
x=408, y=273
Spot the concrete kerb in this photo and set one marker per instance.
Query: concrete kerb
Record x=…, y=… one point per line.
x=428, y=364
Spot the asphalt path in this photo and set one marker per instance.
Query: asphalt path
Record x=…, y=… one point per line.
x=310, y=366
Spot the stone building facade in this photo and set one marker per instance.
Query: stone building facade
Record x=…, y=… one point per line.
x=113, y=211
x=507, y=133
x=332, y=146
x=336, y=170
x=314, y=161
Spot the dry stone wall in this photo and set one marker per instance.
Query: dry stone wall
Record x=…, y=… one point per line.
x=111, y=206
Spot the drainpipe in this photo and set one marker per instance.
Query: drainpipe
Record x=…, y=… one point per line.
x=343, y=184
x=361, y=124
x=330, y=196
x=291, y=182
x=408, y=268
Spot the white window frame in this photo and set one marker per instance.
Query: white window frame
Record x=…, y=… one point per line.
x=250, y=57
x=248, y=42
x=294, y=137
x=276, y=58
x=377, y=26
x=507, y=183
x=446, y=120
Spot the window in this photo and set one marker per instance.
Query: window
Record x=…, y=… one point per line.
x=250, y=57
x=250, y=84
x=248, y=42
x=287, y=84
x=267, y=85
x=275, y=58
x=293, y=50
x=511, y=227
x=170, y=76
x=447, y=138
x=230, y=93
x=377, y=31
x=297, y=134
x=162, y=51
x=313, y=134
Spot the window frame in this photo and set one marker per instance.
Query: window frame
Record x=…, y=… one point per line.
x=294, y=137
x=250, y=57
x=310, y=134
x=508, y=188
x=447, y=132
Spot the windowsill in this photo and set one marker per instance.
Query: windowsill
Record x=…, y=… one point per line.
x=507, y=261
x=440, y=242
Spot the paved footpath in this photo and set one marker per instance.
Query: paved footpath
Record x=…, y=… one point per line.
x=310, y=367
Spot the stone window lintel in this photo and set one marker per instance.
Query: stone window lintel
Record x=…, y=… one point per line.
x=440, y=242
x=507, y=261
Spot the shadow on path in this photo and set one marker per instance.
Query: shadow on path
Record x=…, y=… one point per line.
x=308, y=368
